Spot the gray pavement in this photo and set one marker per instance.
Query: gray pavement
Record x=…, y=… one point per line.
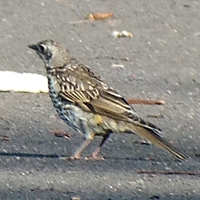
x=163, y=64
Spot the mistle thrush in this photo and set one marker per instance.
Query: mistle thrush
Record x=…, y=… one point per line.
x=86, y=103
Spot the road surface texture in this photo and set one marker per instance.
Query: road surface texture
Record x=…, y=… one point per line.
x=161, y=61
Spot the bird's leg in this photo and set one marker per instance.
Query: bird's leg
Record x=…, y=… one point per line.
x=95, y=154
x=77, y=154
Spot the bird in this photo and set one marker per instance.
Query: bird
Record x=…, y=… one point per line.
x=89, y=105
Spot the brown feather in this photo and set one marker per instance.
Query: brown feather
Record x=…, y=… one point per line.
x=87, y=90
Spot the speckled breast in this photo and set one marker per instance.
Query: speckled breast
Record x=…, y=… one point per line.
x=66, y=110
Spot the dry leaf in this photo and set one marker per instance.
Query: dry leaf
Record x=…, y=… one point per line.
x=99, y=16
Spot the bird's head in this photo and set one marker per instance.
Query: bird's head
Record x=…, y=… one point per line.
x=52, y=53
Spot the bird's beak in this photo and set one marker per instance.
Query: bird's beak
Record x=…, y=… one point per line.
x=33, y=46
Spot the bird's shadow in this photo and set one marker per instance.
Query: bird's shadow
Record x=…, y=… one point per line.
x=31, y=155
x=28, y=155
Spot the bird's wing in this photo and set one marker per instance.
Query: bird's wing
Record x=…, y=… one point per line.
x=82, y=87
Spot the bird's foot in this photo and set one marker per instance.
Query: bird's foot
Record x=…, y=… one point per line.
x=95, y=156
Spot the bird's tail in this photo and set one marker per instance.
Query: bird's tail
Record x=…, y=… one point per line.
x=152, y=134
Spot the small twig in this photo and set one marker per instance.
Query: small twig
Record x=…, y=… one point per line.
x=59, y=133
x=142, y=142
x=169, y=172
x=146, y=102
x=155, y=116
x=4, y=138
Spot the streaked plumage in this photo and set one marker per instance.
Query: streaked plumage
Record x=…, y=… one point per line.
x=86, y=103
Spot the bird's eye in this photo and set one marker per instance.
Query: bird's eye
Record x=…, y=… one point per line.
x=42, y=49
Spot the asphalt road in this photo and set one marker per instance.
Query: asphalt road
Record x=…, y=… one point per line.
x=163, y=63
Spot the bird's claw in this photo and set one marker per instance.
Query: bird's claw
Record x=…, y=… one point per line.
x=95, y=157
